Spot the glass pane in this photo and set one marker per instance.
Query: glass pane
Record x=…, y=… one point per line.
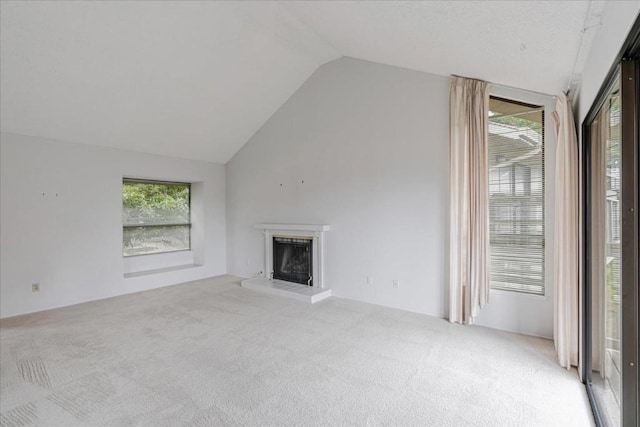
x=152, y=240
x=150, y=203
x=516, y=196
x=605, y=268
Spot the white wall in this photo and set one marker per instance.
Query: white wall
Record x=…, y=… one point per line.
x=72, y=243
x=370, y=143
x=617, y=19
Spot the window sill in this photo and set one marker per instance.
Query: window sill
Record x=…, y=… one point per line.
x=152, y=262
x=160, y=270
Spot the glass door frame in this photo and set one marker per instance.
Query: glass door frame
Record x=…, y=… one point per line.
x=627, y=66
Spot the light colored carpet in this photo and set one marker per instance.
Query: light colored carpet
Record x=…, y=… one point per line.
x=210, y=353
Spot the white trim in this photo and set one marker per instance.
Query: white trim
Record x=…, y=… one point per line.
x=294, y=227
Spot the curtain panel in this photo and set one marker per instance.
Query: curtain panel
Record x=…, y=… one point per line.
x=566, y=216
x=599, y=136
x=469, y=199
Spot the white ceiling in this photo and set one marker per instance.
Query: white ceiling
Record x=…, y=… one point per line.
x=526, y=44
x=198, y=79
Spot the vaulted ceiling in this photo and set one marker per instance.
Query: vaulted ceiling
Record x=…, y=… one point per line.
x=198, y=79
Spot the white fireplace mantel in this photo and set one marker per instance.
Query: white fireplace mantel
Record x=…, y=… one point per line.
x=311, y=231
x=294, y=227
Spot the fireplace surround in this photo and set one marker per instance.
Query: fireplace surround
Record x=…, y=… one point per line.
x=304, y=236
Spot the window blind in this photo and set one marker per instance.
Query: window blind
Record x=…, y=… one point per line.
x=611, y=119
x=516, y=196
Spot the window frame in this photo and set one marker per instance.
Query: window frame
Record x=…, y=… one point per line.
x=543, y=181
x=189, y=224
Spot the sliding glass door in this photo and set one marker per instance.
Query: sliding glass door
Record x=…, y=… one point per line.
x=605, y=256
x=610, y=207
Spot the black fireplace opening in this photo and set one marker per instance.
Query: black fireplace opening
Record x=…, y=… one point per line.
x=292, y=259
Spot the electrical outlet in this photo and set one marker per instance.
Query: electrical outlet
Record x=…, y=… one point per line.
x=396, y=284
x=35, y=287
x=369, y=280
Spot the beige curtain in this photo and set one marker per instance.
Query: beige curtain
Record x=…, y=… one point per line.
x=565, y=301
x=469, y=199
x=599, y=136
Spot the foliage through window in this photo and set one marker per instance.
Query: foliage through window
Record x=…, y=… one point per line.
x=516, y=196
x=155, y=217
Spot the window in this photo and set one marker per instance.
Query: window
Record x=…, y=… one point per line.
x=516, y=196
x=155, y=217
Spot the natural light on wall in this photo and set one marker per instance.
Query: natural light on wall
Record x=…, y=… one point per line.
x=155, y=217
x=516, y=196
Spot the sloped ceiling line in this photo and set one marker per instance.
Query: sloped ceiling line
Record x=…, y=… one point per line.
x=197, y=79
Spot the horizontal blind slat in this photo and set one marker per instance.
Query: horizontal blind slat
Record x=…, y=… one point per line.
x=516, y=199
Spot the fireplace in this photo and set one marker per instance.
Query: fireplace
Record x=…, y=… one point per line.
x=293, y=259
x=302, y=236
x=293, y=262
